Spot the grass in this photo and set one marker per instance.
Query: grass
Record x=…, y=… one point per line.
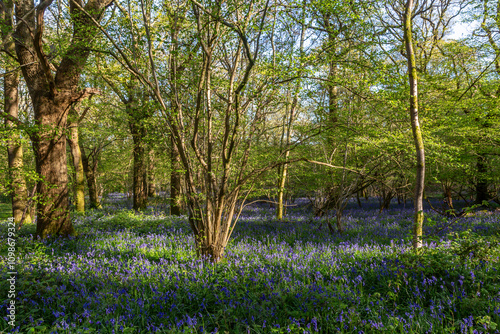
x=128, y=273
x=5, y=211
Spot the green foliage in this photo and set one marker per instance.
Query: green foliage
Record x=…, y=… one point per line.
x=5, y=211
x=473, y=248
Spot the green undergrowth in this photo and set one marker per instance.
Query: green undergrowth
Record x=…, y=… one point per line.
x=132, y=273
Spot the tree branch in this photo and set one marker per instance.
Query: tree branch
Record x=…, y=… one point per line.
x=37, y=44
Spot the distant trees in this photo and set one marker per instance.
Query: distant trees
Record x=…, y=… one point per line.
x=306, y=98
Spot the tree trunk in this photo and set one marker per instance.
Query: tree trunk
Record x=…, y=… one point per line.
x=50, y=152
x=77, y=164
x=175, y=180
x=140, y=189
x=281, y=189
x=212, y=225
x=447, y=194
x=358, y=199
x=90, y=170
x=417, y=134
x=52, y=96
x=15, y=151
x=338, y=216
x=293, y=107
x=385, y=199
x=151, y=175
x=18, y=188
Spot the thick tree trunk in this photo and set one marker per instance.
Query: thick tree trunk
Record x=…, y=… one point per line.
x=50, y=152
x=175, y=180
x=481, y=183
x=417, y=134
x=78, y=165
x=52, y=96
x=140, y=188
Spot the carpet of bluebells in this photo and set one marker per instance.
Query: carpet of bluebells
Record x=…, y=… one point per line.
x=138, y=273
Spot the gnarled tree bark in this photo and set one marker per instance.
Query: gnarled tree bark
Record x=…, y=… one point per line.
x=52, y=97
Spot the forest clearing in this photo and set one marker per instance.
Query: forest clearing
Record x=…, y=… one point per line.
x=250, y=166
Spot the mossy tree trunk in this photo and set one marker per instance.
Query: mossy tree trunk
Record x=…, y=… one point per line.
x=175, y=180
x=73, y=141
x=52, y=97
x=18, y=190
x=415, y=125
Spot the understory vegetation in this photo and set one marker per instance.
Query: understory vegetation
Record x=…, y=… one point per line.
x=138, y=273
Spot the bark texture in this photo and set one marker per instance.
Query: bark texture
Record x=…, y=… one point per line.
x=11, y=107
x=415, y=125
x=140, y=178
x=73, y=141
x=175, y=180
x=138, y=112
x=52, y=97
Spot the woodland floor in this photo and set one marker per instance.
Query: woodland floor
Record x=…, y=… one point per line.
x=128, y=273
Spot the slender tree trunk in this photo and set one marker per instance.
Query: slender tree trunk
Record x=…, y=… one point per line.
x=77, y=163
x=358, y=199
x=18, y=188
x=140, y=189
x=90, y=170
x=151, y=175
x=417, y=134
x=175, y=180
x=281, y=189
x=15, y=151
x=282, y=171
x=293, y=107
x=447, y=194
x=338, y=216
